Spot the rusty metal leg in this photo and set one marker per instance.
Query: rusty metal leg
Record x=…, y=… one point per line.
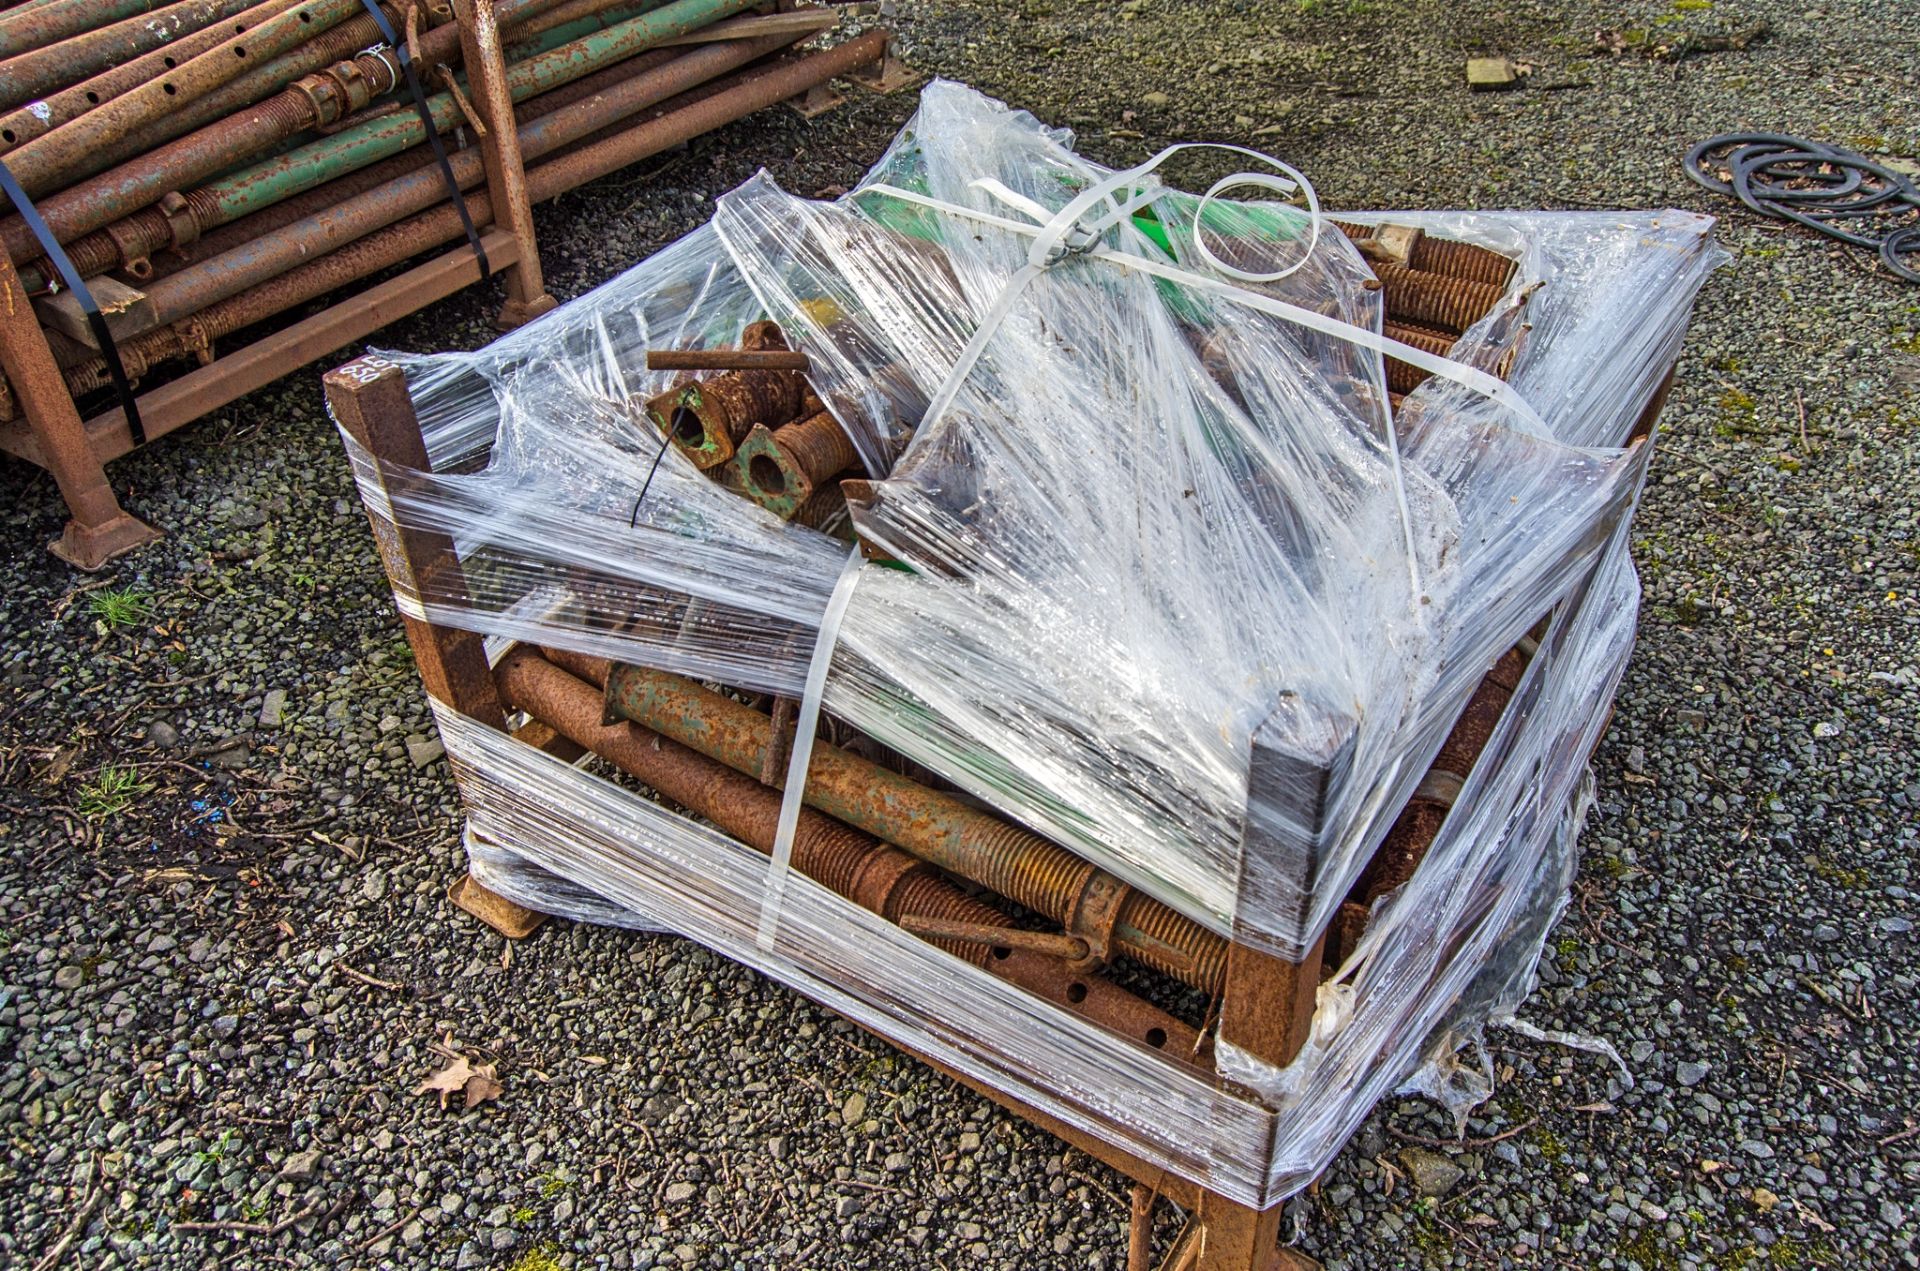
x=1229, y=1237
x=1266, y=1008
x=508, y=917
x=98, y=529
x=1140, y=1228
x=816, y=101
x=888, y=75
x=527, y=296
x=369, y=398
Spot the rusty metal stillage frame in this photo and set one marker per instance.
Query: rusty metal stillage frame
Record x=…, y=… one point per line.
x=47, y=429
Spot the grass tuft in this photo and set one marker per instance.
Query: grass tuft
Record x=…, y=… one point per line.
x=118, y=607
x=111, y=792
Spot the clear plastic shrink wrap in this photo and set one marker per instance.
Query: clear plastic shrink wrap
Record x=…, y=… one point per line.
x=1169, y=585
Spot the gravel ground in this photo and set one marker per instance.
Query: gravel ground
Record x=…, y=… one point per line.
x=226, y=961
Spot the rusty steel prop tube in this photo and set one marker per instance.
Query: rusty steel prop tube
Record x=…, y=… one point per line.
x=706, y=419
x=45, y=162
x=58, y=65
x=320, y=99
x=42, y=116
x=34, y=26
x=303, y=168
x=826, y=851
x=579, y=17
x=193, y=289
x=375, y=137
x=873, y=875
x=782, y=468
x=1462, y=260
x=726, y=360
x=109, y=196
x=937, y=827
x=756, y=90
x=343, y=43
x=277, y=216
x=1404, y=377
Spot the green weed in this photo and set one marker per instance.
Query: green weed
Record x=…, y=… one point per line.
x=118, y=607
x=111, y=792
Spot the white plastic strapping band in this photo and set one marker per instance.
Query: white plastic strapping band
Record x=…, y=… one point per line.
x=804, y=728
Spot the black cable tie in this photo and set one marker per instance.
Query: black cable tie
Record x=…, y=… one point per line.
x=665, y=439
x=433, y=134
x=78, y=286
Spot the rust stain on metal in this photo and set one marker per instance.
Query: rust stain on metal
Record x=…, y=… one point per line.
x=726, y=360
x=878, y=877
x=780, y=469
x=1003, y=858
x=707, y=420
x=1463, y=260
x=1067, y=948
x=1435, y=299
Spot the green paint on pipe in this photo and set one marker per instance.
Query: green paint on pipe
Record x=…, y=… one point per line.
x=321, y=161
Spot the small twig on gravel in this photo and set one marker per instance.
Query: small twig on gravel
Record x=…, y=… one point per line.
x=1813, y=987
x=872, y=1187
x=1898, y=1135
x=1123, y=1206
x=198, y=679
x=364, y=978
x=1426, y=1141
x=386, y=1231
x=79, y=1224
x=251, y=1228
x=1800, y=405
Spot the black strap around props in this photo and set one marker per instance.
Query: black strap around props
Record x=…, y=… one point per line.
x=78, y=286
x=388, y=34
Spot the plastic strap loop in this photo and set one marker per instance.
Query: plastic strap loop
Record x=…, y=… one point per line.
x=399, y=46
x=96, y=320
x=1495, y=390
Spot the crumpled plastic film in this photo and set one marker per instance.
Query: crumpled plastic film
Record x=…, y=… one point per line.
x=506, y=873
x=1445, y=947
x=1167, y=581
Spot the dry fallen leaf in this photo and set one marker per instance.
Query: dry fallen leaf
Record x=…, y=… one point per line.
x=475, y=1084
x=62, y=760
x=1810, y=1217
x=482, y=1086
x=449, y=1080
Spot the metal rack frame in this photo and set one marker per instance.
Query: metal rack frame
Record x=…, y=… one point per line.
x=48, y=429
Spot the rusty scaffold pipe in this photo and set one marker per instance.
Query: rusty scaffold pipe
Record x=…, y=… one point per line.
x=44, y=162
x=781, y=468
x=318, y=100
x=34, y=26
x=343, y=43
x=57, y=65
x=755, y=90
x=209, y=281
x=883, y=879
x=37, y=118
x=937, y=827
x=309, y=203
